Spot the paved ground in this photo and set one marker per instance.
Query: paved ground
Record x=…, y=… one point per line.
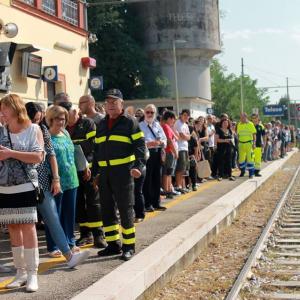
x=58, y=282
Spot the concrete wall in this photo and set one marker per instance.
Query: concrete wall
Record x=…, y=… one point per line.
x=194, y=21
x=33, y=30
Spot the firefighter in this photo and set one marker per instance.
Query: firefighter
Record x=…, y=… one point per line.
x=247, y=141
x=260, y=139
x=88, y=212
x=120, y=155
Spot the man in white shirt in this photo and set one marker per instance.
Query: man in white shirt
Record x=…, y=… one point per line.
x=183, y=147
x=211, y=138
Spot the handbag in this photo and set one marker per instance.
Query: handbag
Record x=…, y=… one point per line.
x=39, y=193
x=203, y=168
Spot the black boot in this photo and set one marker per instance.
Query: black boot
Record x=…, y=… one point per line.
x=242, y=173
x=127, y=253
x=99, y=239
x=85, y=237
x=256, y=173
x=113, y=248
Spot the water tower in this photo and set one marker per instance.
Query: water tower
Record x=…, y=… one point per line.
x=193, y=26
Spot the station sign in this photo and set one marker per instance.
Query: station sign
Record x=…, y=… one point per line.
x=273, y=110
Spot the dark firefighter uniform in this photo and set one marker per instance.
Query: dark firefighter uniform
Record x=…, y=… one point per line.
x=260, y=133
x=119, y=147
x=88, y=204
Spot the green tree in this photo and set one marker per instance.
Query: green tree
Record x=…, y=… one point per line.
x=226, y=92
x=285, y=102
x=121, y=58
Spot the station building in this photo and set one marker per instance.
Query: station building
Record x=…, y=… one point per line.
x=44, y=49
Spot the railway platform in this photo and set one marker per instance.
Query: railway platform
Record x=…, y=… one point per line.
x=166, y=241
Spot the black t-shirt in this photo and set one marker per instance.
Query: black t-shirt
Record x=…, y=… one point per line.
x=202, y=134
x=260, y=133
x=192, y=145
x=222, y=135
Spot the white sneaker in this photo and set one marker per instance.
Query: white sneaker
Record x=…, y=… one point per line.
x=77, y=258
x=176, y=193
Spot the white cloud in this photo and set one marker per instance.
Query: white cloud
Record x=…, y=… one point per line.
x=247, y=49
x=247, y=33
x=295, y=34
x=296, y=37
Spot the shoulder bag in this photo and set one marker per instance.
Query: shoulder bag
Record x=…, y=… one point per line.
x=203, y=167
x=163, y=154
x=39, y=194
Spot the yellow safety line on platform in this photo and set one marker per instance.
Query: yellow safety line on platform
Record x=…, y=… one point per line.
x=45, y=266
x=180, y=198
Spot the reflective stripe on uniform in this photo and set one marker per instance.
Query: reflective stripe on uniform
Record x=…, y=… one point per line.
x=138, y=135
x=112, y=238
x=120, y=138
x=128, y=231
x=128, y=241
x=90, y=165
x=102, y=163
x=91, y=224
x=100, y=139
x=78, y=140
x=121, y=161
x=117, y=162
x=90, y=134
x=111, y=228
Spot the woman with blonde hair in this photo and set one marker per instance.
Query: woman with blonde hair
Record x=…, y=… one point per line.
x=49, y=182
x=21, y=149
x=57, y=119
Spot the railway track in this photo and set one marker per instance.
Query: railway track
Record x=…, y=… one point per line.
x=272, y=270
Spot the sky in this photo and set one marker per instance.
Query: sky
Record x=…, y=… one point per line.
x=266, y=33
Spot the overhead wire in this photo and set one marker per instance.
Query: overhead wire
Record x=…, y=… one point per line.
x=262, y=76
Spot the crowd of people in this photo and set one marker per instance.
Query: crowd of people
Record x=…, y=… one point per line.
x=75, y=166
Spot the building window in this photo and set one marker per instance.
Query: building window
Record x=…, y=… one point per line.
x=70, y=11
x=30, y=2
x=49, y=6
x=67, y=13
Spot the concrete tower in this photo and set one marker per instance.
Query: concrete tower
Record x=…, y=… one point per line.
x=193, y=21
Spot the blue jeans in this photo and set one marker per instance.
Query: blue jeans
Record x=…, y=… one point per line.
x=53, y=228
x=66, y=208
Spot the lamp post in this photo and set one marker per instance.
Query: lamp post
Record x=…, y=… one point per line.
x=175, y=72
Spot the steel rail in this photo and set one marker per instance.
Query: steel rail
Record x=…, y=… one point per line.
x=236, y=288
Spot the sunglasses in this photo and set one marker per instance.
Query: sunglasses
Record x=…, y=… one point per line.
x=150, y=112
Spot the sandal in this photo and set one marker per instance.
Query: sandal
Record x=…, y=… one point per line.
x=55, y=254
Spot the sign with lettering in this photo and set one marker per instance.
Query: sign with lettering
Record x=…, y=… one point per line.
x=273, y=110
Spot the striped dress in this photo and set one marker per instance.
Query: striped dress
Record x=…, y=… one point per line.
x=17, y=195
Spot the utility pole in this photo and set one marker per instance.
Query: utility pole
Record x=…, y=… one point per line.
x=175, y=77
x=288, y=100
x=242, y=88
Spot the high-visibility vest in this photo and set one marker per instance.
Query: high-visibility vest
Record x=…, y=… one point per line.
x=245, y=132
